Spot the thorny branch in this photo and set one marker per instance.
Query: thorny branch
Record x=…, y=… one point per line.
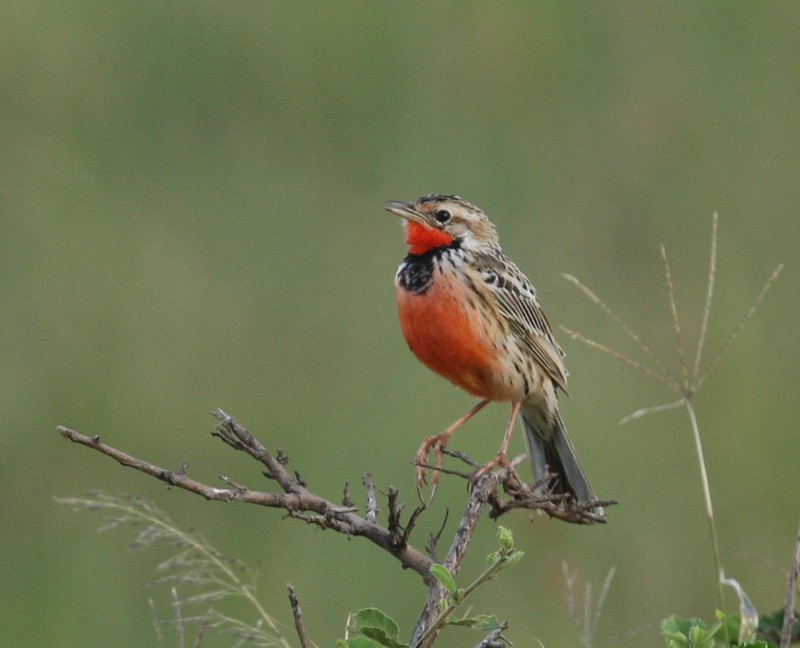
x=500, y=490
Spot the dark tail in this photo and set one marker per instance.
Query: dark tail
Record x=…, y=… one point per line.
x=551, y=452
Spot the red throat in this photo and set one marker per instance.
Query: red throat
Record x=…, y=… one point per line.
x=421, y=238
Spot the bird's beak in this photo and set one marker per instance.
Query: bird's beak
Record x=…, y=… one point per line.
x=404, y=210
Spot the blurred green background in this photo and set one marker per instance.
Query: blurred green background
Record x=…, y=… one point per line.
x=191, y=217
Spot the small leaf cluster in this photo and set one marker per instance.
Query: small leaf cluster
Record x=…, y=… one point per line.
x=694, y=633
x=375, y=629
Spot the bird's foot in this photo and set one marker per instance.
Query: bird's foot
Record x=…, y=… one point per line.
x=500, y=461
x=437, y=442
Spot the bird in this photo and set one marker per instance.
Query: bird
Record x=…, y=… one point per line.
x=470, y=314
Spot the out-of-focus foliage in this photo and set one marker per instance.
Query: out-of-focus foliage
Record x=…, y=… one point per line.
x=190, y=218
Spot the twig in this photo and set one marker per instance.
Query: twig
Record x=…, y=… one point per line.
x=346, y=499
x=494, y=639
x=791, y=594
x=372, y=502
x=532, y=497
x=395, y=508
x=298, y=618
x=433, y=538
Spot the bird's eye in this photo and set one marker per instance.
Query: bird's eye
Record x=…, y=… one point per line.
x=442, y=216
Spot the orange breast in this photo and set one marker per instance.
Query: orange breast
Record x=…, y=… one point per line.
x=445, y=331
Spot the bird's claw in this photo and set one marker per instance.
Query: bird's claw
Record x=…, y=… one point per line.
x=438, y=444
x=499, y=461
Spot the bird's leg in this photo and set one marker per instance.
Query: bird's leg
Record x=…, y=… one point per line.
x=439, y=442
x=501, y=459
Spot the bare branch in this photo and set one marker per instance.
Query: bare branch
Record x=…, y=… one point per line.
x=297, y=500
x=500, y=489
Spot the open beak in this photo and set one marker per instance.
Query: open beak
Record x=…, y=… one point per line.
x=404, y=210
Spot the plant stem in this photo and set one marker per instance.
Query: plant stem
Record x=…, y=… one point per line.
x=487, y=574
x=709, y=508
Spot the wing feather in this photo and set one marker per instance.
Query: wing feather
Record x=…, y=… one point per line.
x=518, y=304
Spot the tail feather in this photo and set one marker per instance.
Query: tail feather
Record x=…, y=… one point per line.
x=551, y=452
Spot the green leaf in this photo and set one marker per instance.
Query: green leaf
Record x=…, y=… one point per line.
x=377, y=626
x=382, y=639
x=358, y=642
x=374, y=618
x=687, y=633
x=445, y=578
x=513, y=559
x=505, y=538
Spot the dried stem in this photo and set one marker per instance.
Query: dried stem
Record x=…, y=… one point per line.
x=652, y=410
x=664, y=380
x=791, y=596
x=712, y=273
x=587, y=623
x=707, y=497
x=669, y=377
x=676, y=323
x=692, y=382
x=735, y=333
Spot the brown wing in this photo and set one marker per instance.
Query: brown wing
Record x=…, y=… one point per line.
x=517, y=301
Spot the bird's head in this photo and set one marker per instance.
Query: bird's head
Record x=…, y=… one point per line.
x=438, y=220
